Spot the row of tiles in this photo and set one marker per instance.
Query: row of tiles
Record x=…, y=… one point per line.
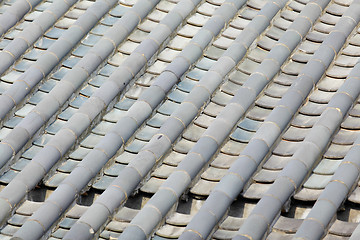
x=284, y=227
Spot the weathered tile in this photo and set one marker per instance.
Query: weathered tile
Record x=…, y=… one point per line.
x=266, y=176
x=308, y=195
x=287, y=225
x=203, y=188
x=103, y=182
x=317, y=181
x=213, y=174
x=256, y=190
x=342, y=228
x=184, y=146
x=146, y=133
x=193, y=132
x=163, y=171
x=233, y=148
x=56, y=179
x=102, y=128
x=223, y=161
x=152, y=185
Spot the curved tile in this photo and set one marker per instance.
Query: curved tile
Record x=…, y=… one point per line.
x=230, y=149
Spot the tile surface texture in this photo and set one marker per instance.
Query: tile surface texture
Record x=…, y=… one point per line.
x=179, y=119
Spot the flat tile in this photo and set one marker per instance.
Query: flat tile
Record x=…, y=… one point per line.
x=135, y=146
x=17, y=220
x=346, y=137
x=323, y=27
x=183, y=146
x=67, y=113
x=152, y=185
x=239, y=23
x=336, y=151
x=163, y=171
x=135, y=91
x=351, y=123
x=266, y=176
x=114, y=169
x=304, y=121
x=286, y=148
x=214, y=52
x=168, y=55
x=317, y=181
x=168, y=107
x=312, y=109
x=267, y=102
x=221, y=98
x=20, y=164
x=188, y=30
x=293, y=68
x=248, y=66
x=213, y=174
x=179, y=219
x=224, y=234
x=68, y=166
x=146, y=133
x=91, y=141
x=55, y=180
x=250, y=124
x=115, y=226
x=258, y=113
x=338, y=72
x=193, y=132
x=257, y=54
x=230, y=88
x=204, y=120
x=276, y=162
x=114, y=115
x=28, y=208
x=31, y=152
x=125, y=157
x=241, y=135
x=321, y=97
x=7, y=177
x=223, y=161
x=231, y=32
x=44, y=43
x=79, y=153
x=205, y=63
x=207, y=9
x=308, y=195
x=174, y=158
x=276, y=90
x=178, y=43
x=342, y=228
x=198, y=19
x=103, y=182
x=103, y=127
x=213, y=109
x=203, y=188
x=9, y=230
x=295, y=133
x=256, y=190
x=288, y=225
x=186, y=85
x=233, y=148
x=157, y=120
x=67, y=223
x=11, y=77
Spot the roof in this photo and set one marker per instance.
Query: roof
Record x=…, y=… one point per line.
x=188, y=119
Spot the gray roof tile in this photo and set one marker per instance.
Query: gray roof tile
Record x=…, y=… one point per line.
x=185, y=107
